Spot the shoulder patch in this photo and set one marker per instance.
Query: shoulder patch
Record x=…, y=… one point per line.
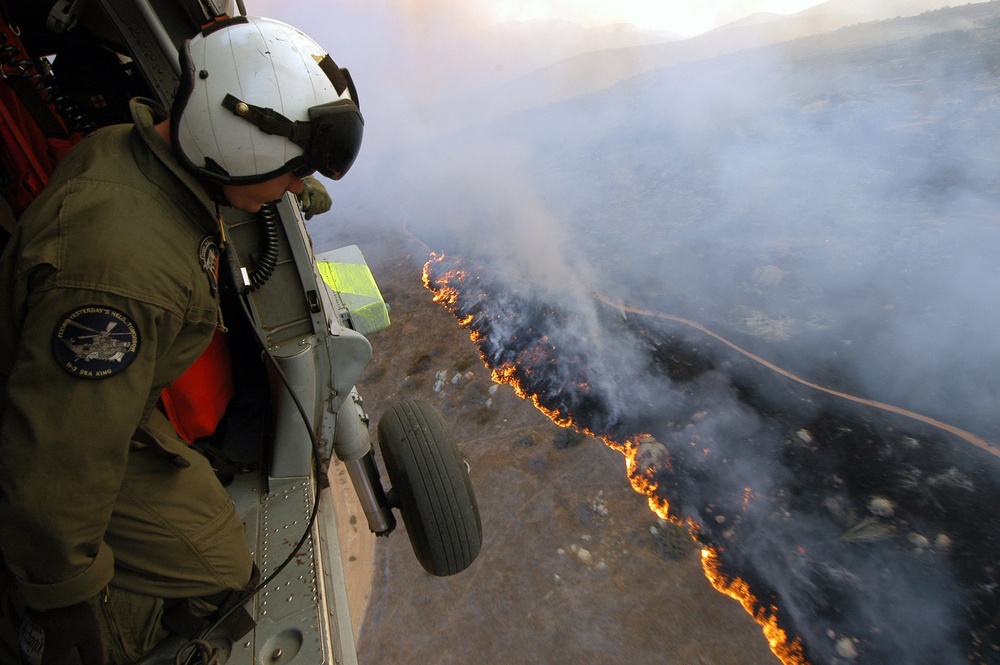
x=208, y=256
x=95, y=342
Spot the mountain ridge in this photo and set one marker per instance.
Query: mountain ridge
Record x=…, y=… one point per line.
x=598, y=70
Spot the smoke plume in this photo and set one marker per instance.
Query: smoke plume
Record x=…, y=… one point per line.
x=827, y=205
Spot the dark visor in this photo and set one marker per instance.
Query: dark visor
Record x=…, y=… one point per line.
x=337, y=129
x=330, y=139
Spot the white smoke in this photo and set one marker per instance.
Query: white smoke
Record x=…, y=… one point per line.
x=830, y=204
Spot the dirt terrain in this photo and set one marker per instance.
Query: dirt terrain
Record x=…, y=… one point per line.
x=574, y=565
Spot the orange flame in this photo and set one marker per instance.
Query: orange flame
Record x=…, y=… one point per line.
x=442, y=294
x=504, y=375
x=790, y=652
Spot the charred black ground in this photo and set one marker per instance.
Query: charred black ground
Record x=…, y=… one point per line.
x=870, y=536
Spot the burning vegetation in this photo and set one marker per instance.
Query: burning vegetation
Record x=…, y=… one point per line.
x=851, y=533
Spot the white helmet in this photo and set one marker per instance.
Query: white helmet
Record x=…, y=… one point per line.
x=259, y=98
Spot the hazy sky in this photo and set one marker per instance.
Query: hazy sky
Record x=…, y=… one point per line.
x=687, y=17
x=684, y=17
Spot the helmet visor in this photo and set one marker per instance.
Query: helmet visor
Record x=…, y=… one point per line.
x=337, y=129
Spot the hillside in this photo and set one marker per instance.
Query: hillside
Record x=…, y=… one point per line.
x=597, y=70
x=827, y=205
x=574, y=566
x=828, y=200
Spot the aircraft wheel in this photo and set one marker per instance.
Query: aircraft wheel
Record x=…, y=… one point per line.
x=431, y=487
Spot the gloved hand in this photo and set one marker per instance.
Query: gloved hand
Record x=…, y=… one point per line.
x=314, y=198
x=47, y=636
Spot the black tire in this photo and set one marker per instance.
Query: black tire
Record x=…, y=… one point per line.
x=430, y=481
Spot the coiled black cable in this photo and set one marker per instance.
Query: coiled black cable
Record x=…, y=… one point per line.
x=268, y=259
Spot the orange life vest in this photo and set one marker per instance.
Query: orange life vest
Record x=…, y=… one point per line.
x=197, y=401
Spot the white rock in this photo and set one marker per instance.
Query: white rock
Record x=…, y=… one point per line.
x=768, y=276
x=880, y=506
x=846, y=648
x=650, y=455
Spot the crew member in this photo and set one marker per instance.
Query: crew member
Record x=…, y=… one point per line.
x=107, y=519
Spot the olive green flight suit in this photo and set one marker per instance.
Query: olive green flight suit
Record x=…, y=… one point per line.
x=104, y=301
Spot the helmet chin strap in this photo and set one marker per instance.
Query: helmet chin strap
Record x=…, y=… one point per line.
x=215, y=191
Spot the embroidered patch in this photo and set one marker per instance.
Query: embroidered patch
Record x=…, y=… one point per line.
x=208, y=255
x=31, y=642
x=95, y=342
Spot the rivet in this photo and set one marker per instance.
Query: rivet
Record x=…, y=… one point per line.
x=203, y=74
x=242, y=108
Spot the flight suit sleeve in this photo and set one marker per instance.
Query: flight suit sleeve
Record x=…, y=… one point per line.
x=81, y=379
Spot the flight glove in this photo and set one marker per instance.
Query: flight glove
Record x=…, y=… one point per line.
x=47, y=636
x=314, y=198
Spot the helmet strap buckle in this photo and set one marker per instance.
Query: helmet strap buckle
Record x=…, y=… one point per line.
x=270, y=121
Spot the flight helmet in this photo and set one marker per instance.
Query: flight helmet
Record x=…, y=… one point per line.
x=259, y=98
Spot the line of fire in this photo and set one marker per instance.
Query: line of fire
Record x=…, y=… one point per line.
x=851, y=534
